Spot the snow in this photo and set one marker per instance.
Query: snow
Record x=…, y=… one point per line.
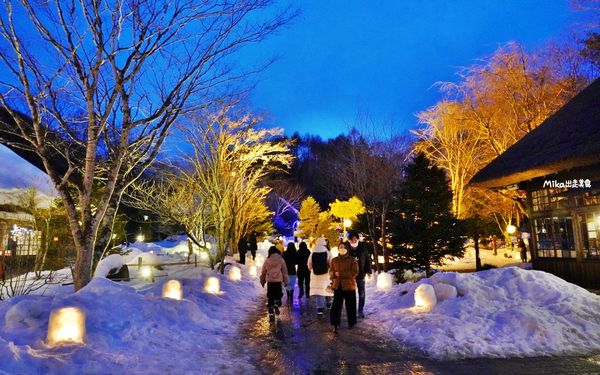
x=20, y=176
x=504, y=312
x=130, y=328
x=506, y=257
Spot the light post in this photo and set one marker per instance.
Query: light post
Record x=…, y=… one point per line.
x=347, y=224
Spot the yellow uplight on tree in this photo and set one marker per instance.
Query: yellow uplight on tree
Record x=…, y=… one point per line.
x=66, y=325
x=252, y=271
x=212, y=285
x=172, y=289
x=235, y=274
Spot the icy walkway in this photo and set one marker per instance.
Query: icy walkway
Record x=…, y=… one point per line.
x=301, y=343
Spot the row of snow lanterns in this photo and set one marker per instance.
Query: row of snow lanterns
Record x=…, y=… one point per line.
x=67, y=324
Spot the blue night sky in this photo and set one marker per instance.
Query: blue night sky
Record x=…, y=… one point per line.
x=339, y=58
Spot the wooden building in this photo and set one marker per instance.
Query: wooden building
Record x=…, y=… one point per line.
x=558, y=166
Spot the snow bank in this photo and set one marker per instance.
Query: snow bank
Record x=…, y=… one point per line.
x=505, y=312
x=131, y=329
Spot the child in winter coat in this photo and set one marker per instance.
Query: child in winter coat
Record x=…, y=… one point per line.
x=273, y=273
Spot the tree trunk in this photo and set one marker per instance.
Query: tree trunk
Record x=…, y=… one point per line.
x=386, y=259
x=371, y=227
x=82, y=273
x=477, y=259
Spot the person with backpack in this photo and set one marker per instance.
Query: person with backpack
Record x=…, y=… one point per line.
x=273, y=273
x=342, y=272
x=303, y=272
x=318, y=263
x=290, y=260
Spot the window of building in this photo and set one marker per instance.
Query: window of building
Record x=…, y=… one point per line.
x=588, y=199
x=590, y=230
x=554, y=237
x=547, y=199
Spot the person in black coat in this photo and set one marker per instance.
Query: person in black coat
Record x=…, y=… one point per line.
x=291, y=260
x=359, y=250
x=242, y=249
x=303, y=272
x=253, y=244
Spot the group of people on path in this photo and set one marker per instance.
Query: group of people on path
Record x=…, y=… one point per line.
x=319, y=276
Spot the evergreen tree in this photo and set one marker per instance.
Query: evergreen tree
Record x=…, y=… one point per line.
x=424, y=230
x=309, y=218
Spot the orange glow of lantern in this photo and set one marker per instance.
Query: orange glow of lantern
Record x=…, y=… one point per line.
x=212, y=285
x=252, y=271
x=66, y=326
x=235, y=274
x=384, y=282
x=172, y=289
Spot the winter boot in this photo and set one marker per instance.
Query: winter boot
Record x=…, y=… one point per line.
x=361, y=314
x=319, y=311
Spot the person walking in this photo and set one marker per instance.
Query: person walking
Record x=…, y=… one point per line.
x=343, y=272
x=273, y=273
x=523, y=250
x=253, y=244
x=291, y=260
x=318, y=264
x=242, y=249
x=359, y=251
x=303, y=272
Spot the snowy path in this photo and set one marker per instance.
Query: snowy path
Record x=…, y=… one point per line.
x=301, y=343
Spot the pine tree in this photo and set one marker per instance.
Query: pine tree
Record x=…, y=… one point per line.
x=309, y=218
x=424, y=230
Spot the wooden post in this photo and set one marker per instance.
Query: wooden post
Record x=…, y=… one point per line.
x=139, y=263
x=195, y=261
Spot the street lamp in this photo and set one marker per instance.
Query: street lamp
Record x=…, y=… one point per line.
x=511, y=229
x=347, y=224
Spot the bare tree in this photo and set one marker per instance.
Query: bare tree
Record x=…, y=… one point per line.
x=94, y=87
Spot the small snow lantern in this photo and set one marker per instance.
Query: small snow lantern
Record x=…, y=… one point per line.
x=252, y=271
x=204, y=256
x=172, y=289
x=235, y=274
x=66, y=325
x=384, y=281
x=212, y=285
x=425, y=296
x=259, y=260
x=445, y=291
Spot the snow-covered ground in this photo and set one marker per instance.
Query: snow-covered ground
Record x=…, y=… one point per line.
x=504, y=312
x=505, y=256
x=130, y=328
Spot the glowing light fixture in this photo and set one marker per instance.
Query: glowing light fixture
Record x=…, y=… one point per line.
x=384, y=282
x=172, y=289
x=511, y=229
x=212, y=285
x=347, y=223
x=425, y=296
x=235, y=274
x=66, y=325
x=380, y=259
x=146, y=272
x=140, y=238
x=252, y=271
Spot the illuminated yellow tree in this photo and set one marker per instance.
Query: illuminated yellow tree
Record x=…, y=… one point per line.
x=347, y=211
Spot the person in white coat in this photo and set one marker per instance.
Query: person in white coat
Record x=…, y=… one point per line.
x=318, y=264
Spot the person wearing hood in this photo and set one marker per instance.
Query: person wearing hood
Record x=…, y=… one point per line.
x=290, y=260
x=342, y=273
x=303, y=272
x=273, y=273
x=359, y=251
x=318, y=263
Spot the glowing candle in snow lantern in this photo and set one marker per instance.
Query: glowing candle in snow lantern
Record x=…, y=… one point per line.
x=425, y=296
x=252, y=271
x=212, y=285
x=235, y=274
x=259, y=260
x=146, y=272
x=66, y=325
x=172, y=289
x=384, y=281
